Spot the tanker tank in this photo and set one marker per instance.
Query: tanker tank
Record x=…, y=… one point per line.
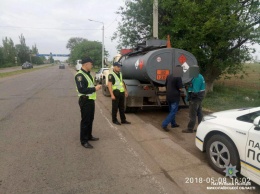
x=154, y=66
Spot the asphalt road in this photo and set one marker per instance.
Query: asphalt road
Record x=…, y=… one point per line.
x=40, y=150
x=16, y=68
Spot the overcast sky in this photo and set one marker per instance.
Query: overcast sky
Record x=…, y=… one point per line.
x=50, y=23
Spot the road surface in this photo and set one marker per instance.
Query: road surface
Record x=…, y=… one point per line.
x=41, y=152
x=16, y=68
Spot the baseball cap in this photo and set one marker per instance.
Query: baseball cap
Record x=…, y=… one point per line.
x=86, y=60
x=117, y=64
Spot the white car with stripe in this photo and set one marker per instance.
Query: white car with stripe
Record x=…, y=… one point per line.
x=232, y=137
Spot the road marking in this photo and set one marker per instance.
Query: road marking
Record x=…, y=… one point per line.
x=146, y=171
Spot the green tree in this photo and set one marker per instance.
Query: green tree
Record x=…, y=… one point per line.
x=34, y=49
x=217, y=32
x=35, y=59
x=87, y=48
x=51, y=60
x=9, y=52
x=23, y=51
x=73, y=42
x=2, y=61
x=136, y=25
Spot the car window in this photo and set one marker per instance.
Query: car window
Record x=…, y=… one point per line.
x=249, y=117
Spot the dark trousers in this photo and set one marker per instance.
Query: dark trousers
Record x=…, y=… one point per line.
x=195, y=111
x=118, y=103
x=87, y=109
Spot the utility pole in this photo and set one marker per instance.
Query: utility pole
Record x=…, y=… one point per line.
x=103, y=34
x=103, y=29
x=155, y=19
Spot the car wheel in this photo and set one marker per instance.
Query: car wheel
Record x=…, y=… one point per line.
x=221, y=152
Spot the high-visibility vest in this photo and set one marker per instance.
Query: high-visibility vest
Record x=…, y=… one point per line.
x=119, y=85
x=92, y=96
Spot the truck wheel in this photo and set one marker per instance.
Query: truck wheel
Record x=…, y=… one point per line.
x=105, y=90
x=221, y=152
x=130, y=109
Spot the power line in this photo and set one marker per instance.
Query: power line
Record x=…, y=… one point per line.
x=112, y=22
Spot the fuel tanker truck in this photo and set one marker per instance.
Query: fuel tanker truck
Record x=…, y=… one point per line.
x=145, y=70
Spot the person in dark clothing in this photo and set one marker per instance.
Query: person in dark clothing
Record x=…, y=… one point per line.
x=173, y=92
x=118, y=93
x=87, y=96
x=196, y=95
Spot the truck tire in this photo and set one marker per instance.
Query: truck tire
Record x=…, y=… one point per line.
x=130, y=109
x=221, y=152
x=105, y=90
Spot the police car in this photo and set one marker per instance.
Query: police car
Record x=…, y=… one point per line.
x=232, y=138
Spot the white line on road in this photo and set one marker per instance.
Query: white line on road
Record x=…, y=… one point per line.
x=146, y=171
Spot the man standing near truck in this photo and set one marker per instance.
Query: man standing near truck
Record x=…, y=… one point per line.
x=118, y=93
x=173, y=92
x=196, y=93
x=87, y=96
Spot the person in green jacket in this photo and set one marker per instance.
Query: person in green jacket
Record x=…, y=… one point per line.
x=196, y=93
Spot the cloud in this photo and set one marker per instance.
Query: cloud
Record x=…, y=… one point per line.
x=50, y=23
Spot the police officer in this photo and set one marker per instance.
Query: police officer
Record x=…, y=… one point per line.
x=118, y=93
x=87, y=96
x=196, y=93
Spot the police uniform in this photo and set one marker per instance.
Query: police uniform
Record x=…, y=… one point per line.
x=87, y=96
x=196, y=94
x=119, y=93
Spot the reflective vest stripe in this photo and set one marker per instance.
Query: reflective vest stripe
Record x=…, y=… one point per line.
x=119, y=85
x=92, y=96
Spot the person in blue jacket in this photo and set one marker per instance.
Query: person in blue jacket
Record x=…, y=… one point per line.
x=196, y=93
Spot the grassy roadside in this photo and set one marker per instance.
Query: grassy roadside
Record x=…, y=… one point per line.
x=235, y=92
x=21, y=71
x=227, y=97
x=250, y=80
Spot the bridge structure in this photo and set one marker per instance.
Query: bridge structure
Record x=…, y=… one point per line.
x=52, y=55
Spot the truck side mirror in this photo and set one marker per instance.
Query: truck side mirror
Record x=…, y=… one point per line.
x=257, y=123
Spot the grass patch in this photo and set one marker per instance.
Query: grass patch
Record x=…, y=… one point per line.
x=250, y=80
x=235, y=92
x=226, y=97
x=7, y=74
x=8, y=65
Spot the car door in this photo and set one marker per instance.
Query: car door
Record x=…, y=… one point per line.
x=252, y=162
